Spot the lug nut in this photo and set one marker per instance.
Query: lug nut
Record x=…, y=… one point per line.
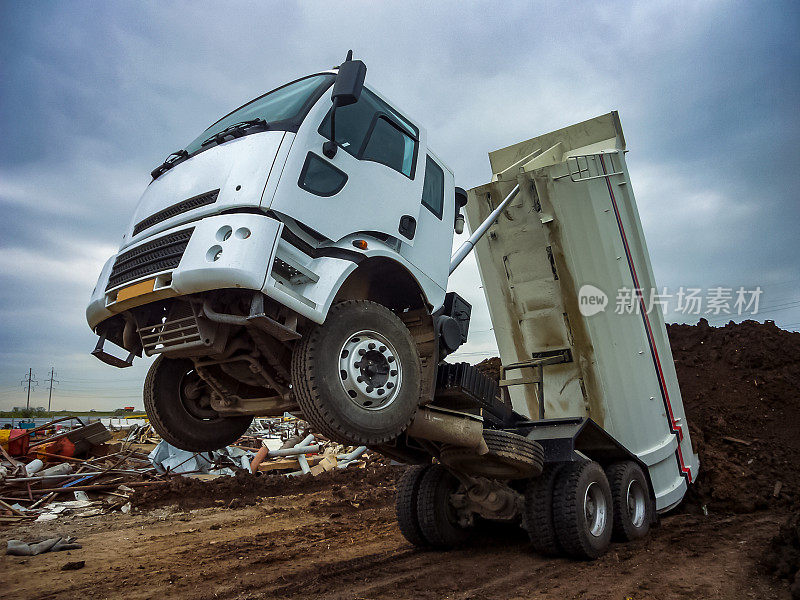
x=371, y=346
x=369, y=389
x=393, y=373
x=380, y=391
x=360, y=379
x=390, y=358
x=357, y=365
x=382, y=349
x=362, y=352
x=389, y=385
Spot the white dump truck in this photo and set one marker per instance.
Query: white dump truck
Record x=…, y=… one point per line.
x=295, y=257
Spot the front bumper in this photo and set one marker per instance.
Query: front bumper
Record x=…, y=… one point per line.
x=258, y=261
x=224, y=251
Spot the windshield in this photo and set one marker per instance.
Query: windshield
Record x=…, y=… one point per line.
x=282, y=109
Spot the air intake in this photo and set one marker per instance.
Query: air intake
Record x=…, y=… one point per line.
x=176, y=209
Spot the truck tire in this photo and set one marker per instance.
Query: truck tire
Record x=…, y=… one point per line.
x=438, y=520
x=406, y=504
x=510, y=456
x=537, y=517
x=180, y=420
x=357, y=376
x=583, y=510
x=633, y=508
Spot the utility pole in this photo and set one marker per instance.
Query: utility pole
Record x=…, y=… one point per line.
x=52, y=381
x=29, y=382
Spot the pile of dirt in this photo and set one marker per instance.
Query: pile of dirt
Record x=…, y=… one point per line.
x=783, y=556
x=740, y=390
x=490, y=367
x=371, y=483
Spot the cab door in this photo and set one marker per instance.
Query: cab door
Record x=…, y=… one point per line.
x=370, y=185
x=431, y=253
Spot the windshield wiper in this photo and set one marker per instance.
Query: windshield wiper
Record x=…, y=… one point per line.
x=236, y=130
x=170, y=162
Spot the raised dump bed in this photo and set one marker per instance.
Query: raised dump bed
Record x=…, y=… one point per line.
x=554, y=266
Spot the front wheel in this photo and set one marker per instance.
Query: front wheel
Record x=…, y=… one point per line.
x=179, y=410
x=357, y=376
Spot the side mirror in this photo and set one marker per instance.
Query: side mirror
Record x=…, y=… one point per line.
x=346, y=90
x=461, y=202
x=349, y=82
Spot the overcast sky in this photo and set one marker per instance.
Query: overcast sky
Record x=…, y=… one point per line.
x=96, y=94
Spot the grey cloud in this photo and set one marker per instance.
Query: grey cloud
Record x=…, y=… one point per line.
x=96, y=94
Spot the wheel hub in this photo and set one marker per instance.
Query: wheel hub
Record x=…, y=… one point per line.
x=370, y=372
x=194, y=396
x=595, y=509
x=636, y=503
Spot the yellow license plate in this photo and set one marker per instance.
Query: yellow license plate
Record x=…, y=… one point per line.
x=137, y=289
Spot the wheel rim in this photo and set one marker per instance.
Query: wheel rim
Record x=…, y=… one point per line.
x=595, y=509
x=369, y=370
x=637, y=503
x=194, y=397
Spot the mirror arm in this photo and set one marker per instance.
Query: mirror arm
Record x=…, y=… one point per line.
x=329, y=147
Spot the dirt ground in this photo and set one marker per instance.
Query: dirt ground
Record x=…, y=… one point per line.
x=335, y=536
x=343, y=543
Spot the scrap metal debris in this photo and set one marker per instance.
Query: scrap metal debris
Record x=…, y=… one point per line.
x=50, y=472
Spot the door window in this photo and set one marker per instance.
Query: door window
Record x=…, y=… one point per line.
x=433, y=188
x=320, y=177
x=372, y=130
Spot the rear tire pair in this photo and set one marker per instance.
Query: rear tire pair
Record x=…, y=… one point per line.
x=424, y=513
x=576, y=508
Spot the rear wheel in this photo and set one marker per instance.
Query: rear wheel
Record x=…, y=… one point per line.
x=438, y=518
x=357, y=376
x=406, y=504
x=582, y=510
x=537, y=518
x=179, y=411
x=633, y=510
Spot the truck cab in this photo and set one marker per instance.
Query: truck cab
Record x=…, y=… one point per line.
x=245, y=238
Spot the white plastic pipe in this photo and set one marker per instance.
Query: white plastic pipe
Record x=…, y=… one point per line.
x=467, y=246
x=295, y=450
x=307, y=440
x=353, y=455
x=303, y=463
x=33, y=466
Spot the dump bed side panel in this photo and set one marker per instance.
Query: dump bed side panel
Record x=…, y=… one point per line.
x=575, y=224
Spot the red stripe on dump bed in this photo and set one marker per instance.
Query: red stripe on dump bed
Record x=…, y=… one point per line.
x=673, y=425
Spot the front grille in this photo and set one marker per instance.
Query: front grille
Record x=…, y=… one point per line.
x=176, y=209
x=153, y=257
